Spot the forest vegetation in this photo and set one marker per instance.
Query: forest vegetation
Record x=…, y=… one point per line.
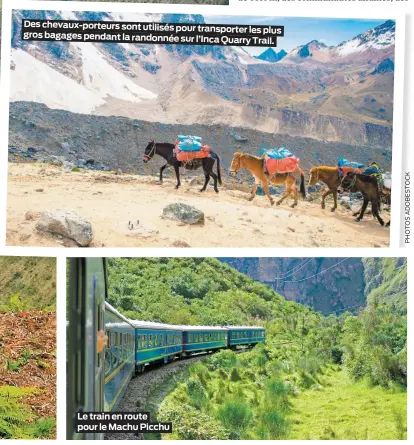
x=27, y=348
x=340, y=376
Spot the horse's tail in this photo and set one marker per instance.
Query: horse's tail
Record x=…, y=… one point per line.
x=218, y=169
x=302, y=185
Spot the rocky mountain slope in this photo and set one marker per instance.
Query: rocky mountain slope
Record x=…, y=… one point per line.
x=340, y=94
x=37, y=132
x=331, y=285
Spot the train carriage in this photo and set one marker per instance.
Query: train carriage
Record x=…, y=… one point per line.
x=245, y=335
x=119, y=356
x=156, y=342
x=98, y=380
x=203, y=338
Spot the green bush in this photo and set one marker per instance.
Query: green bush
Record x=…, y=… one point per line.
x=196, y=393
x=235, y=415
x=191, y=424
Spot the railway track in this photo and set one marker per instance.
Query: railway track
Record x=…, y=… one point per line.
x=143, y=385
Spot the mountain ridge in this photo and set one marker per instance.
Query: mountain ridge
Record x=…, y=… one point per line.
x=228, y=85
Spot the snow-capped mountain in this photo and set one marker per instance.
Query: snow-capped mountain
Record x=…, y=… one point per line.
x=372, y=46
x=378, y=38
x=187, y=84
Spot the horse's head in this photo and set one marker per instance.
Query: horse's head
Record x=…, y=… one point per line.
x=348, y=181
x=236, y=163
x=149, y=151
x=313, y=177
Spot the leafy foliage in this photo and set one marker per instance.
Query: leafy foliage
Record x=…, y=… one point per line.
x=250, y=395
x=15, y=416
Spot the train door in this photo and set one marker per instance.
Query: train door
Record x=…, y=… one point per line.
x=85, y=367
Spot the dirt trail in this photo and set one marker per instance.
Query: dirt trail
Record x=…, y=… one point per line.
x=109, y=202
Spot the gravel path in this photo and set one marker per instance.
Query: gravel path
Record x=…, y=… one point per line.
x=141, y=387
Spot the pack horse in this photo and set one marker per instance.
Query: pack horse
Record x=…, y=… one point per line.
x=277, y=167
x=189, y=153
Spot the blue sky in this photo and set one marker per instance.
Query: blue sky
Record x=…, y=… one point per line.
x=301, y=30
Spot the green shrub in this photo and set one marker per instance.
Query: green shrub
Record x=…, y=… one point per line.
x=196, y=393
x=191, y=424
x=225, y=359
x=274, y=424
x=235, y=415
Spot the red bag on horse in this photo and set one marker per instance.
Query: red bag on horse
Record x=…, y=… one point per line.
x=188, y=156
x=277, y=166
x=347, y=170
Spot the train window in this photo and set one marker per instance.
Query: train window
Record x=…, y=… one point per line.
x=190, y=338
x=195, y=338
x=116, y=338
x=161, y=339
x=155, y=340
x=210, y=337
x=150, y=341
x=139, y=342
x=144, y=341
x=109, y=334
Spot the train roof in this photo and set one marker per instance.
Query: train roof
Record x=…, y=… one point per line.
x=154, y=325
x=244, y=327
x=203, y=328
x=114, y=311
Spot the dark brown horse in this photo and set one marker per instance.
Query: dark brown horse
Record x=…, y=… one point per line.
x=368, y=187
x=167, y=151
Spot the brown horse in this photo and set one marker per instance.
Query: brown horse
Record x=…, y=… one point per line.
x=329, y=176
x=257, y=168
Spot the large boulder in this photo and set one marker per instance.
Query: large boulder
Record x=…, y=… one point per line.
x=67, y=166
x=66, y=223
x=184, y=213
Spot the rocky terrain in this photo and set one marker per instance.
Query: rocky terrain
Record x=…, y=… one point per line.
x=38, y=132
x=347, y=286
x=335, y=94
x=327, y=292
x=124, y=210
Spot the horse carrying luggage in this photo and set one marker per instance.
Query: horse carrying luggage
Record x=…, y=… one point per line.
x=188, y=148
x=279, y=161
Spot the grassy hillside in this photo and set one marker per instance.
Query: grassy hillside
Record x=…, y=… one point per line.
x=354, y=367
x=192, y=291
x=386, y=282
x=27, y=283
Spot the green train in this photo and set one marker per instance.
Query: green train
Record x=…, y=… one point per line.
x=97, y=380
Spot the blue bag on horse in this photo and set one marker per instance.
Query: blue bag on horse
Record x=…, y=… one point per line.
x=345, y=163
x=189, y=143
x=279, y=153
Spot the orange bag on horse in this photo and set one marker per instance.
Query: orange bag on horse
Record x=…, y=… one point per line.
x=347, y=170
x=277, y=166
x=188, y=156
